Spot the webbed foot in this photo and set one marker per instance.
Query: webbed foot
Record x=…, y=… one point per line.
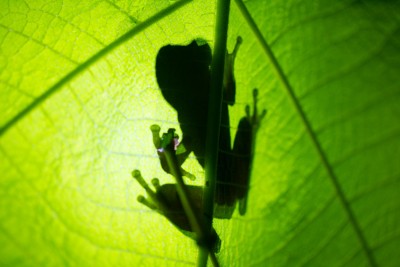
x=153, y=202
x=255, y=118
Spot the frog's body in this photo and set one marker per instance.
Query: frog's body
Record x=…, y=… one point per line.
x=183, y=74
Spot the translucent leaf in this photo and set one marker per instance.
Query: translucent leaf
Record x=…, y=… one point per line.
x=325, y=182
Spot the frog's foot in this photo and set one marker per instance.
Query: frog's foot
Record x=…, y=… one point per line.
x=229, y=77
x=161, y=142
x=255, y=118
x=153, y=201
x=239, y=41
x=230, y=57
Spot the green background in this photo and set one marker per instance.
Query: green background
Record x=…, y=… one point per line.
x=326, y=175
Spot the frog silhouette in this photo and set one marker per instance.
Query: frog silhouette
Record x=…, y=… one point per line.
x=184, y=76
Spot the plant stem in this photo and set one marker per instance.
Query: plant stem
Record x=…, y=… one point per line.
x=214, y=116
x=203, y=235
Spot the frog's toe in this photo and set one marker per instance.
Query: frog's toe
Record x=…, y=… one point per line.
x=262, y=115
x=141, y=199
x=188, y=174
x=155, y=127
x=255, y=98
x=156, y=183
x=239, y=40
x=139, y=178
x=255, y=118
x=247, y=110
x=155, y=130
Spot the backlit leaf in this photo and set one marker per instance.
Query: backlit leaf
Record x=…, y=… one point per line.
x=325, y=184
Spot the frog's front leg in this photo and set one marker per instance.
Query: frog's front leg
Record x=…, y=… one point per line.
x=229, y=77
x=181, y=152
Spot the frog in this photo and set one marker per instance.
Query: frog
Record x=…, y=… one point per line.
x=183, y=74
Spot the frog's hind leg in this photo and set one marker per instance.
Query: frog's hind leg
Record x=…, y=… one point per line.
x=244, y=146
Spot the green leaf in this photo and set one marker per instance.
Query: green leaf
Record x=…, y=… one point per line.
x=325, y=183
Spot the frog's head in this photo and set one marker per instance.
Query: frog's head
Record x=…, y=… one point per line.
x=183, y=73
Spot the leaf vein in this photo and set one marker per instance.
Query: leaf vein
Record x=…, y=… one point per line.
x=88, y=63
x=307, y=125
